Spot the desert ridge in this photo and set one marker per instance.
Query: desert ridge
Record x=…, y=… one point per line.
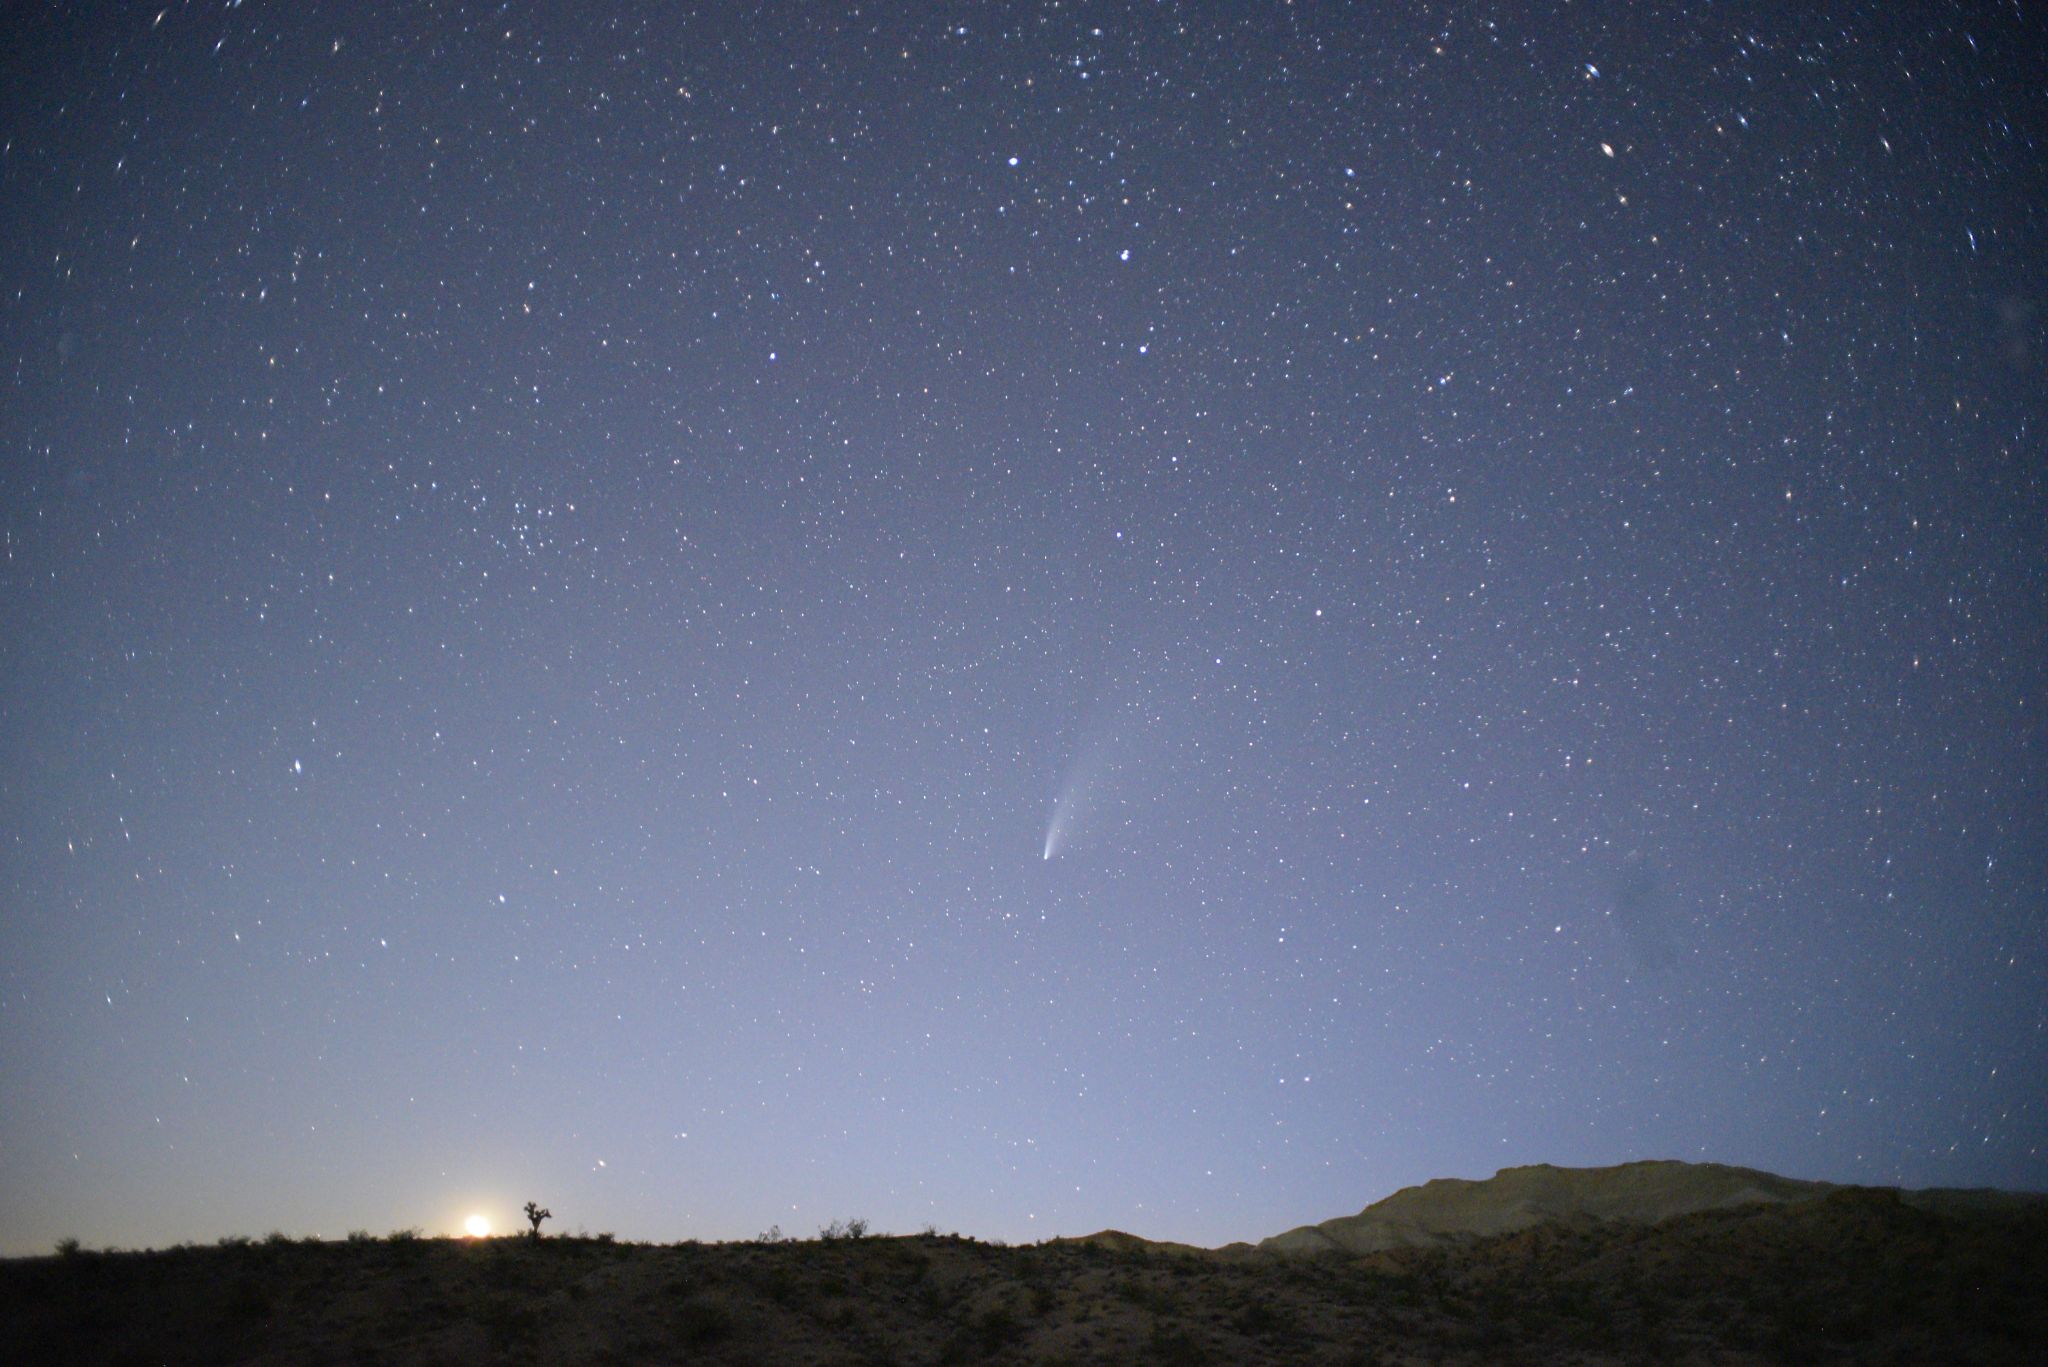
x=1518, y=1198
x=1641, y=1262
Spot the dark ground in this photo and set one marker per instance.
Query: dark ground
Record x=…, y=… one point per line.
x=1853, y=1277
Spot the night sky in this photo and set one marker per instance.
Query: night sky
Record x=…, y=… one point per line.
x=1017, y=617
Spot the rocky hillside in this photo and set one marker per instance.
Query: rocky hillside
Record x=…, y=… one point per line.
x=1451, y=1210
x=1537, y=1265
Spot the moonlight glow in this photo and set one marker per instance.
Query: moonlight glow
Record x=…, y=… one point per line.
x=477, y=1227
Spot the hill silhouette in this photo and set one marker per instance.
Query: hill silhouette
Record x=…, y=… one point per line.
x=1452, y=1208
x=1594, y=1271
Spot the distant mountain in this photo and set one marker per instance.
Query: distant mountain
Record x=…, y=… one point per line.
x=1116, y=1241
x=1850, y=1274
x=1451, y=1210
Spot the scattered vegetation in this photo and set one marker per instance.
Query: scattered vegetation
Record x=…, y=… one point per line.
x=1852, y=1277
x=534, y=1215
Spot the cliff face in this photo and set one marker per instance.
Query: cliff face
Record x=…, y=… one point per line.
x=1451, y=1209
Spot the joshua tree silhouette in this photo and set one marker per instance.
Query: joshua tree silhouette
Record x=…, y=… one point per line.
x=535, y=1215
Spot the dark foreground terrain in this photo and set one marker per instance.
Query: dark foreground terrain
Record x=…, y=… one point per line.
x=1853, y=1276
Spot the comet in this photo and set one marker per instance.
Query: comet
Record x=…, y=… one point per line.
x=1076, y=796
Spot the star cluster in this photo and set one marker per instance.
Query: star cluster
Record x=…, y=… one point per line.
x=1025, y=617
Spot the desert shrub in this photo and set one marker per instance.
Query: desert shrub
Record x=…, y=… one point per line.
x=360, y=1236
x=996, y=1329
x=67, y=1248
x=1173, y=1343
x=779, y=1283
x=701, y=1323
x=277, y=1238
x=1259, y=1319
x=981, y=1337
x=605, y=1236
x=409, y=1235
x=933, y=1300
x=844, y=1229
x=1154, y=1298
x=233, y=1241
x=534, y=1215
